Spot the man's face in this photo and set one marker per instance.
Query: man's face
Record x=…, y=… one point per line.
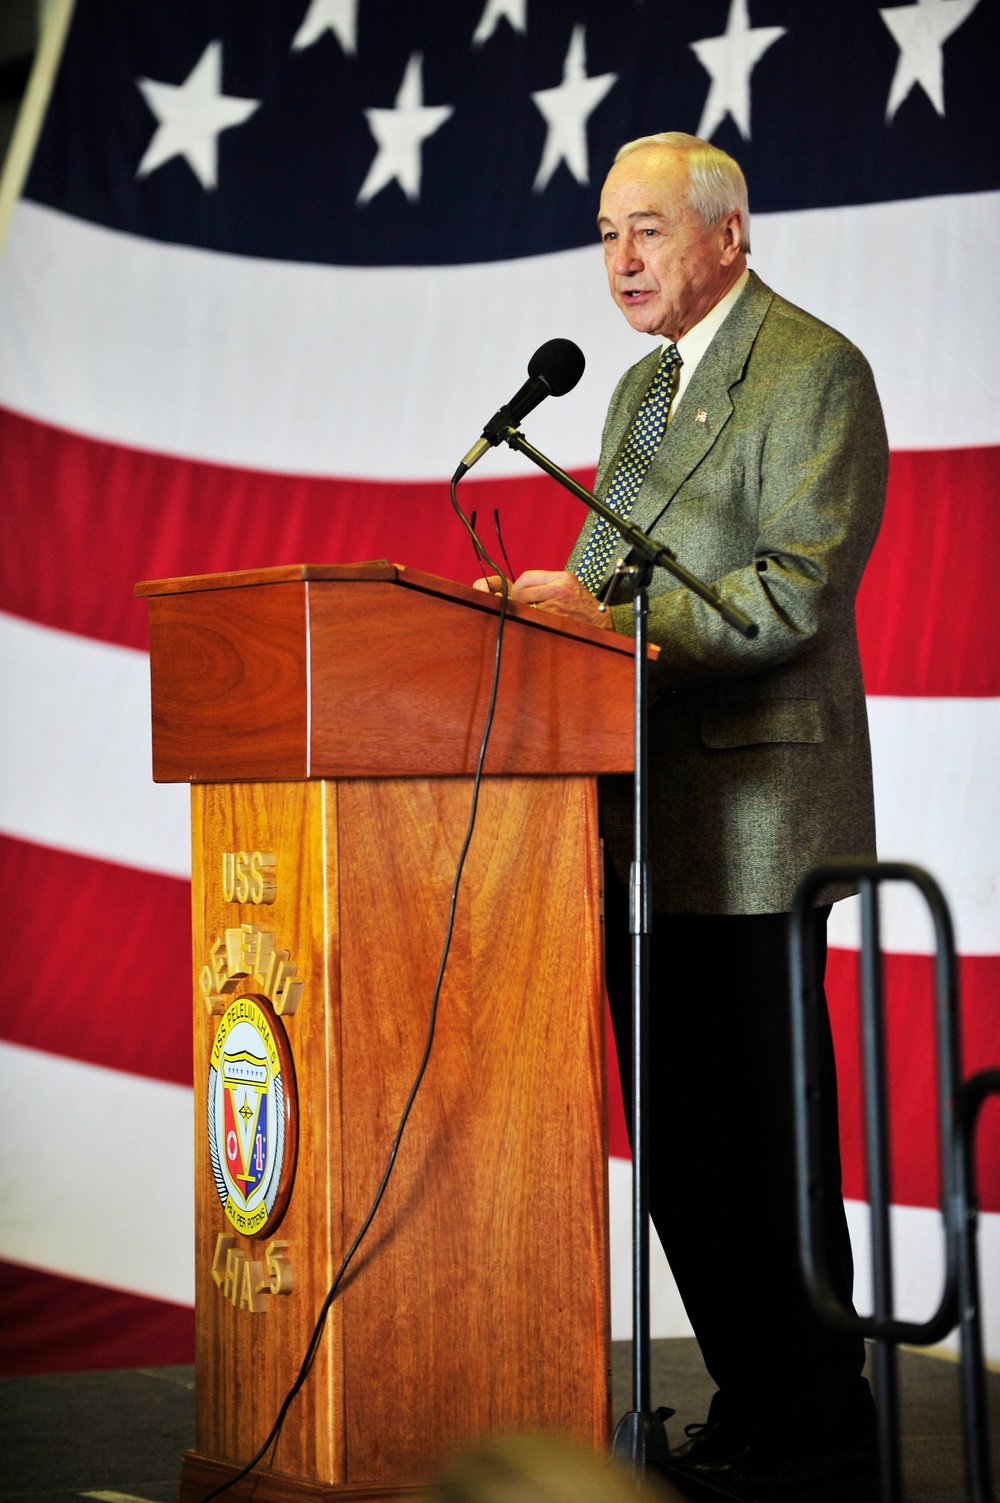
x=666, y=268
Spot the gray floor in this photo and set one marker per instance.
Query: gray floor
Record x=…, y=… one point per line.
x=119, y=1435
x=931, y=1419
x=73, y=1435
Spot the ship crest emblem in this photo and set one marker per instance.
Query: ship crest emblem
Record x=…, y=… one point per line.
x=248, y=1115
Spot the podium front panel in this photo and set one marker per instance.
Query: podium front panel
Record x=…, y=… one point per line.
x=479, y=1301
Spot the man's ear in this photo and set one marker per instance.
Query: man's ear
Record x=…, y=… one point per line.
x=731, y=236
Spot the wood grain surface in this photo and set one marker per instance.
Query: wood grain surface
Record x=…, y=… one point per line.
x=481, y=1297
x=273, y=574
x=379, y=569
x=479, y=1301
x=422, y=665
x=230, y=684
x=246, y=1363
x=332, y=716
x=375, y=671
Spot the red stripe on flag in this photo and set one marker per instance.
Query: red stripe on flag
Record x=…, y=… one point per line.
x=619, y=1146
x=102, y=966
x=910, y=1032
x=926, y=601
x=85, y=520
x=50, y=1324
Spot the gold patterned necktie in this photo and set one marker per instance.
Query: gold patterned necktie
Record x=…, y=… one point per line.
x=640, y=445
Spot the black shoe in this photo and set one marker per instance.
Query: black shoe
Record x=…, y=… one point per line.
x=849, y=1475
x=709, y=1444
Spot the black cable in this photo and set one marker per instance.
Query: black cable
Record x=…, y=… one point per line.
x=503, y=551
x=481, y=558
x=475, y=543
x=317, y=1334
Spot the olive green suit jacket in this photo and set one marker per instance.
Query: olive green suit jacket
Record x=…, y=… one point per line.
x=769, y=483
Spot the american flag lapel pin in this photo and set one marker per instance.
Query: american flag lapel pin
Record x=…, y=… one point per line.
x=701, y=416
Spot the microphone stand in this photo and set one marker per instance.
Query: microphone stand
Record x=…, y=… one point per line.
x=640, y=1437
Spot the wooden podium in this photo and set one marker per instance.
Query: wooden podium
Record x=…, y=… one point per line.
x=329, y=720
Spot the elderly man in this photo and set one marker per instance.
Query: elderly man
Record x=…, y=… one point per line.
x=751, y=442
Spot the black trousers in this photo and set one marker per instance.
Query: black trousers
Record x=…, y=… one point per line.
x=722, y=1171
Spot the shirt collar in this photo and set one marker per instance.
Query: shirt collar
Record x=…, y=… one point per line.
x=692, y=345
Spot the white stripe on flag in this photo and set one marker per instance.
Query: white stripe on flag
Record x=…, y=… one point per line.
x=667, y=1315
x=930, y=343
x=99, y=1187
x=918, y=1267
x=76, y=754
x=917, y=1264
x=274, y=365
x=937, y=803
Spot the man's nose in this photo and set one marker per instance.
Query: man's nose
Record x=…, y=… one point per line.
x=627, y=258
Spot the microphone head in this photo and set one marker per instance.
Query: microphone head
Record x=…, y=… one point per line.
x=559, y=363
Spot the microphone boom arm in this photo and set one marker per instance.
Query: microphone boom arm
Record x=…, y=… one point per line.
x=648, y=548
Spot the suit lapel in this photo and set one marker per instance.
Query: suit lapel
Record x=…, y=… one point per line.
x=690, y=437
x=687, y=440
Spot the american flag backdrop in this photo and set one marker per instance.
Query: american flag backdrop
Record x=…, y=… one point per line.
x=275, y=263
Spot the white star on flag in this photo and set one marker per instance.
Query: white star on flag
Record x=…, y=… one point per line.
x=566, y=109
x=729, y=60
x=338, y=16
x=400, y=133
x=191, y=117
x=920, y=32
x=497, y=11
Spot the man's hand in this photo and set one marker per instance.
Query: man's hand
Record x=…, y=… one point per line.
x=552, y=591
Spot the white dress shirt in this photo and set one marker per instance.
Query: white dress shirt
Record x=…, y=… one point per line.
x=692, y=345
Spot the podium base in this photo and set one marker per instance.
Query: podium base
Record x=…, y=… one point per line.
x=200, y=1474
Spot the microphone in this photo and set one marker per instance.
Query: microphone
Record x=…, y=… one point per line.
x=553, y=370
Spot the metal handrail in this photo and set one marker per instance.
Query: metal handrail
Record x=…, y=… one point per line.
x=975, y=1420
x=882, y=1325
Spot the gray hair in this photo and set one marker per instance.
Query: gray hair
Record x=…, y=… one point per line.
x=717, y=184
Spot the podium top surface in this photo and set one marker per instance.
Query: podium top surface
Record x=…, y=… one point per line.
x=374, y=670
x=374, y=568
x=380, y=570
